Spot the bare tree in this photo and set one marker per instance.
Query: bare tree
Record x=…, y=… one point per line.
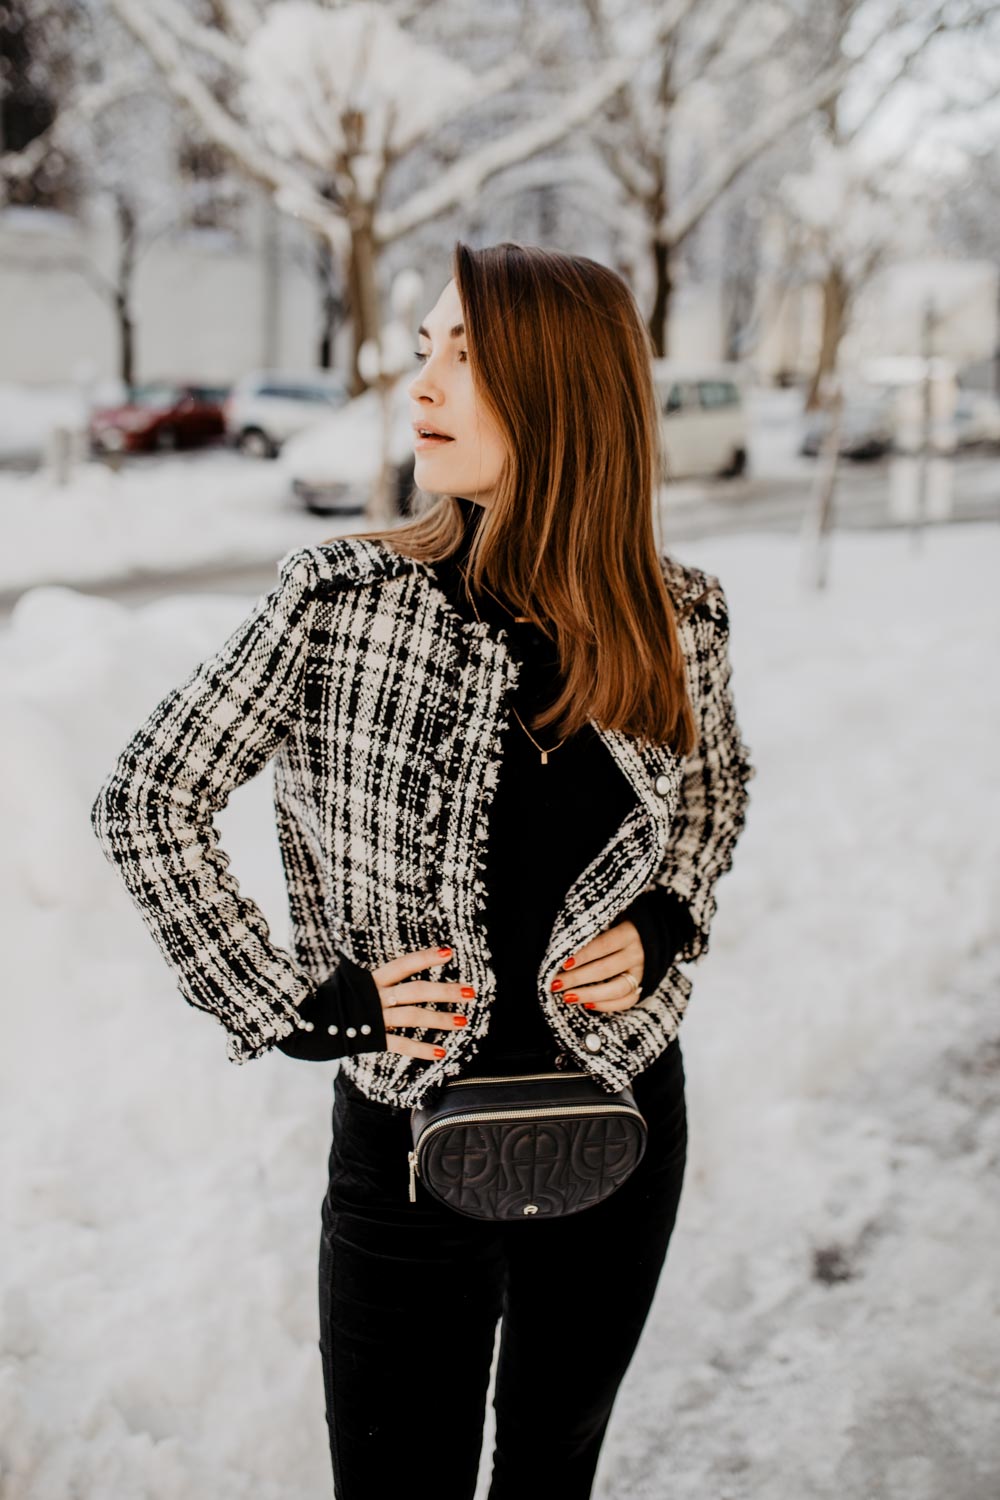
x=115, y=136
x=906, y=39
x=706, y=49
x=328, y=101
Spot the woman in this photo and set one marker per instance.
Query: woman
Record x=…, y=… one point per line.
x=508, y=776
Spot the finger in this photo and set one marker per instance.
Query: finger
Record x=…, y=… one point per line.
x=628, y=957
x=416, y=1015
x=416, y=990
x=615, y=994
x=434, y=1051
x=411, y=963
x=611, y=940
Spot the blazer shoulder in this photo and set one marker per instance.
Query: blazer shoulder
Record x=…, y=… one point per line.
x=346, y=562
x=692, y=588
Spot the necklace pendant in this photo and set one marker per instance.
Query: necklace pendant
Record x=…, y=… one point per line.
x=545, y=757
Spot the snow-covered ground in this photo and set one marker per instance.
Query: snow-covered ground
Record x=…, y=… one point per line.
x=827, y=1321
x=28, y=415
x=156, y=515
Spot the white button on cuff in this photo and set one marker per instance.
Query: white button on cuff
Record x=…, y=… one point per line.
x=351, y=1031
x=333, y=1030
x=365, y=1030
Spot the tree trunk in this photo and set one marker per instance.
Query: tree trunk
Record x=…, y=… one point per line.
x=834, y=320
x=659, y=318
x=332, y=304
x=126, y=338
x=363, y=285
x=123, y=288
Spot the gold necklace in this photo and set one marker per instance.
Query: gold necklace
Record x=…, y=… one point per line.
x=519, y=620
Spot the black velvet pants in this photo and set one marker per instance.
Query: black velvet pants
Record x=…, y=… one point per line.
x=410, y=1295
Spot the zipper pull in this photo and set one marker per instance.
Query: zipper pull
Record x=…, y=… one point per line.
x=412, y=1158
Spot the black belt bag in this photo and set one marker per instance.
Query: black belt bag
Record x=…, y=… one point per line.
x=531, y=1145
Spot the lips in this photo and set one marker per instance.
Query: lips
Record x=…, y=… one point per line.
x=420, y=428
x=435, y=440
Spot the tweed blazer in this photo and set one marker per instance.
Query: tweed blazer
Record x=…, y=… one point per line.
x=381, y=708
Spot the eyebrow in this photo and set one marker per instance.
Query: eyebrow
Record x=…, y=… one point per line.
x=454, y=333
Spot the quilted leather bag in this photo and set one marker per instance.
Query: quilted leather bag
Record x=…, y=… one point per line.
x=529, y=1145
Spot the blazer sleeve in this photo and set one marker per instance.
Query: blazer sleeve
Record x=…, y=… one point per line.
x=664, y=924
x=153, y=817
x=711, y=809
x=342, y=1016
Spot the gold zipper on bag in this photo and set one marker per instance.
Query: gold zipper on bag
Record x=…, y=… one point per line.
x=516, y=1078
x=473, y=1117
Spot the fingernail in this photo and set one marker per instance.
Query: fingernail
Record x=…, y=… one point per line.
x=569, y=962
x=460, y=1020
x=439, y=1052
x=444, y=952
x=588, y=1005
x=571, y=998
x=557, y=984
x=467, y=992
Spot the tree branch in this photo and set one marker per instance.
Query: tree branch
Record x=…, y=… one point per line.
x=294, y=193
x=468, y=176
x=677, y=225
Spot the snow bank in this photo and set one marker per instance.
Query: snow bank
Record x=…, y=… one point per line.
x=153, y=516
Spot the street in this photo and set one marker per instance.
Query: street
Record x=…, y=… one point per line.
x=778, y=502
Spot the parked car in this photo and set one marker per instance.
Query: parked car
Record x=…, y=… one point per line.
x=866, y=426
x=159, y=414
x=703, y=418
x=266, y=408
x=977, y=419
x=332, y=467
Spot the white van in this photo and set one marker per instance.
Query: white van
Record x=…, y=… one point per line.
x=703, y=418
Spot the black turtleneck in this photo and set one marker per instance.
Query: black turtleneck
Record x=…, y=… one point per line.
x=546, y=823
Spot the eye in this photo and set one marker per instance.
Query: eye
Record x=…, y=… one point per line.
x=420, y=355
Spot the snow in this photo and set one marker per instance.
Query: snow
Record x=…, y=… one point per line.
x=27, y=417
x=826, y=1322
x=153, y=516
x=325, y=86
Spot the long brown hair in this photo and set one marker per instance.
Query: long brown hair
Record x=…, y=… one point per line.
x=561, y=355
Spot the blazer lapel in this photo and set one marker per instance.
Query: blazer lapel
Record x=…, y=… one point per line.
x=626, y=863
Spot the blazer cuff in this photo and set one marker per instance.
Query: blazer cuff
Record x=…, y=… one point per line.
x=665, y=925
x=342, y=1016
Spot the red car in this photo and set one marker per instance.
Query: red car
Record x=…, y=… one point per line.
x=158, y=415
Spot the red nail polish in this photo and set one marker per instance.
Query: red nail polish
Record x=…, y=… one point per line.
x=468, y=993
x=569, y=962
x=588, y=1005
x=460, y=1020
x=557, y=984
x=439, y=1052
x=445, y=952
x=571, y=998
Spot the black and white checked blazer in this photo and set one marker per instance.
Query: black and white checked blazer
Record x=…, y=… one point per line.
x=381, y=708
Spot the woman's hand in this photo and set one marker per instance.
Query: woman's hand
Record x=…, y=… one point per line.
x=598, y=969
x=404, y=1004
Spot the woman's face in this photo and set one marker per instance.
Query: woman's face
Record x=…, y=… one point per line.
x=443, y=397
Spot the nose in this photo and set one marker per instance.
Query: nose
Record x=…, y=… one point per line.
x=419, y=386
